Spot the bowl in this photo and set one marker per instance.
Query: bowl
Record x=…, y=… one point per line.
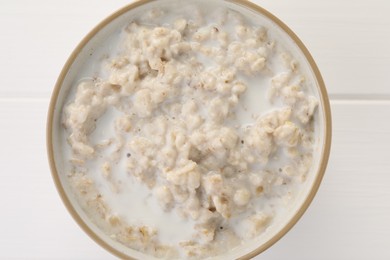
x=89, y=50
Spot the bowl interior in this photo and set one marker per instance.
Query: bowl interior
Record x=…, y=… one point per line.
x=93, y=47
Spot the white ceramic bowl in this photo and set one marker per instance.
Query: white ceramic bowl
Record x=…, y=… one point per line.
x=91, y=44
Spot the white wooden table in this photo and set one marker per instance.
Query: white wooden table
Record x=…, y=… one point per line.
x=350, y=40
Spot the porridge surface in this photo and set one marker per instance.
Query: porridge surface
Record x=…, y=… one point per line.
x=198, y=131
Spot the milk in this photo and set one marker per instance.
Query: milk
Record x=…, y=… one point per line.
x=134, y=202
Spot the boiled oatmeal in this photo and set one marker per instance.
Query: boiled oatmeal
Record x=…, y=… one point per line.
x=167, y=118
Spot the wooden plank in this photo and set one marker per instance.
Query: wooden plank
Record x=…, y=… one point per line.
x=349, y=40
x=347, y=220
x=38, y=37
x=34, y=222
